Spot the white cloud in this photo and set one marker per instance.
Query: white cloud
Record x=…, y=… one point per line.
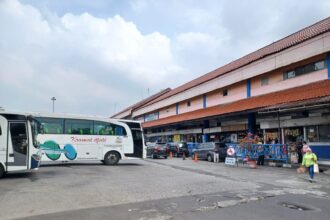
x=78, y=58
x=89, y=62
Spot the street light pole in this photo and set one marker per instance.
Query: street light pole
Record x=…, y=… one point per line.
x=53, y=99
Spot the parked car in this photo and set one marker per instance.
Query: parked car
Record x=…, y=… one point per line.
x=157, y=150
x=205, y=151
x=178, y=149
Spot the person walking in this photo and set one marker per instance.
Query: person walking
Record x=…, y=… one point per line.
x=309, y=160
x=304, y=149
x=216, y=153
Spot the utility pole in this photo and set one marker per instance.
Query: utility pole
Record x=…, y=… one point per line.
x=53, y=99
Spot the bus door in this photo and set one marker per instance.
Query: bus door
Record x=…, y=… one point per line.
x=138, y=142
x=17, y=151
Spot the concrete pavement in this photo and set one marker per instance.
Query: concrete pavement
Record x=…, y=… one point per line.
x=157, y=189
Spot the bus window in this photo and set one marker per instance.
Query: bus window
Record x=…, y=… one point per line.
x=73, y=126
x=103, y=128
x=120, y=131
x=51, y=125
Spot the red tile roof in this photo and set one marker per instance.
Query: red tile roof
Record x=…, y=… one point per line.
x=144, y=101
x=287, y=42
x=310, y=91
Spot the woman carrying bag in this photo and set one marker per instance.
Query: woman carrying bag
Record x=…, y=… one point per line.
x=309, y=160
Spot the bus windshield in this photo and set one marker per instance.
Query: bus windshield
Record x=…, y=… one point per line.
x=36, y=129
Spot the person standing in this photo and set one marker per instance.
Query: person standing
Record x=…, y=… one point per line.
x=216, y=153
x=299, y=149
x=261, y=155
x=309, y=160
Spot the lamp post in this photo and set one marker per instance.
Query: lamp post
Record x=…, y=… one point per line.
x=53, y=99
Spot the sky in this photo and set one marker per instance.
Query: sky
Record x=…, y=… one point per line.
x=98, y=57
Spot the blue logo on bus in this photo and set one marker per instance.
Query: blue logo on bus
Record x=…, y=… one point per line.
x=53, y=150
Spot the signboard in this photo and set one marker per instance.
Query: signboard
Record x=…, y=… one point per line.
x=233, y=138
x=176, y=138
x=231, y=161
x=230, y=151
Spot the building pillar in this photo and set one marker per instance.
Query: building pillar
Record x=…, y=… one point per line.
x=248, y=88
x=305, y=134
x=280, y=131
x=328, y=63
x=204, y=101
x=206, y=124
x=205, y=138
x=252, y=123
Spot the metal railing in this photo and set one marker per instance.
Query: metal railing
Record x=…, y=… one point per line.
x=272, y=152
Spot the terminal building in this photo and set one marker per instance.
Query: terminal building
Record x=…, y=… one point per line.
x=280, y=92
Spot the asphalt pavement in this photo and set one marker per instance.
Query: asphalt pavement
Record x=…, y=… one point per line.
x=163, y=189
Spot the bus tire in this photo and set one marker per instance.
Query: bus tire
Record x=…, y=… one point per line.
x=2, y=171
x=111, y=158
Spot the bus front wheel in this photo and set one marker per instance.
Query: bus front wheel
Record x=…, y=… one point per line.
x=111, y=158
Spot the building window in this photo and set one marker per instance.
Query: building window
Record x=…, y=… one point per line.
x=264, y=81
x=324, y=133
x=225, y=92
x=319, y=65
x=289, y=74
x=188, y=103
x=311, y=132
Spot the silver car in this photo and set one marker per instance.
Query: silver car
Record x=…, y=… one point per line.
x=205, y=151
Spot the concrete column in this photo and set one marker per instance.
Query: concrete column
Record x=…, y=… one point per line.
x=251, y=123
x=248, y=88
x=204, y=101
x=282, y=135
x=328, y=63
x=205, y=138
x=206, y=124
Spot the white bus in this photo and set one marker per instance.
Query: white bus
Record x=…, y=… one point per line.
x=64, y=137
x=18, y=146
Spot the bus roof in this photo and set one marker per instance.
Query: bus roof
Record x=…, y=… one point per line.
x=67, y=116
